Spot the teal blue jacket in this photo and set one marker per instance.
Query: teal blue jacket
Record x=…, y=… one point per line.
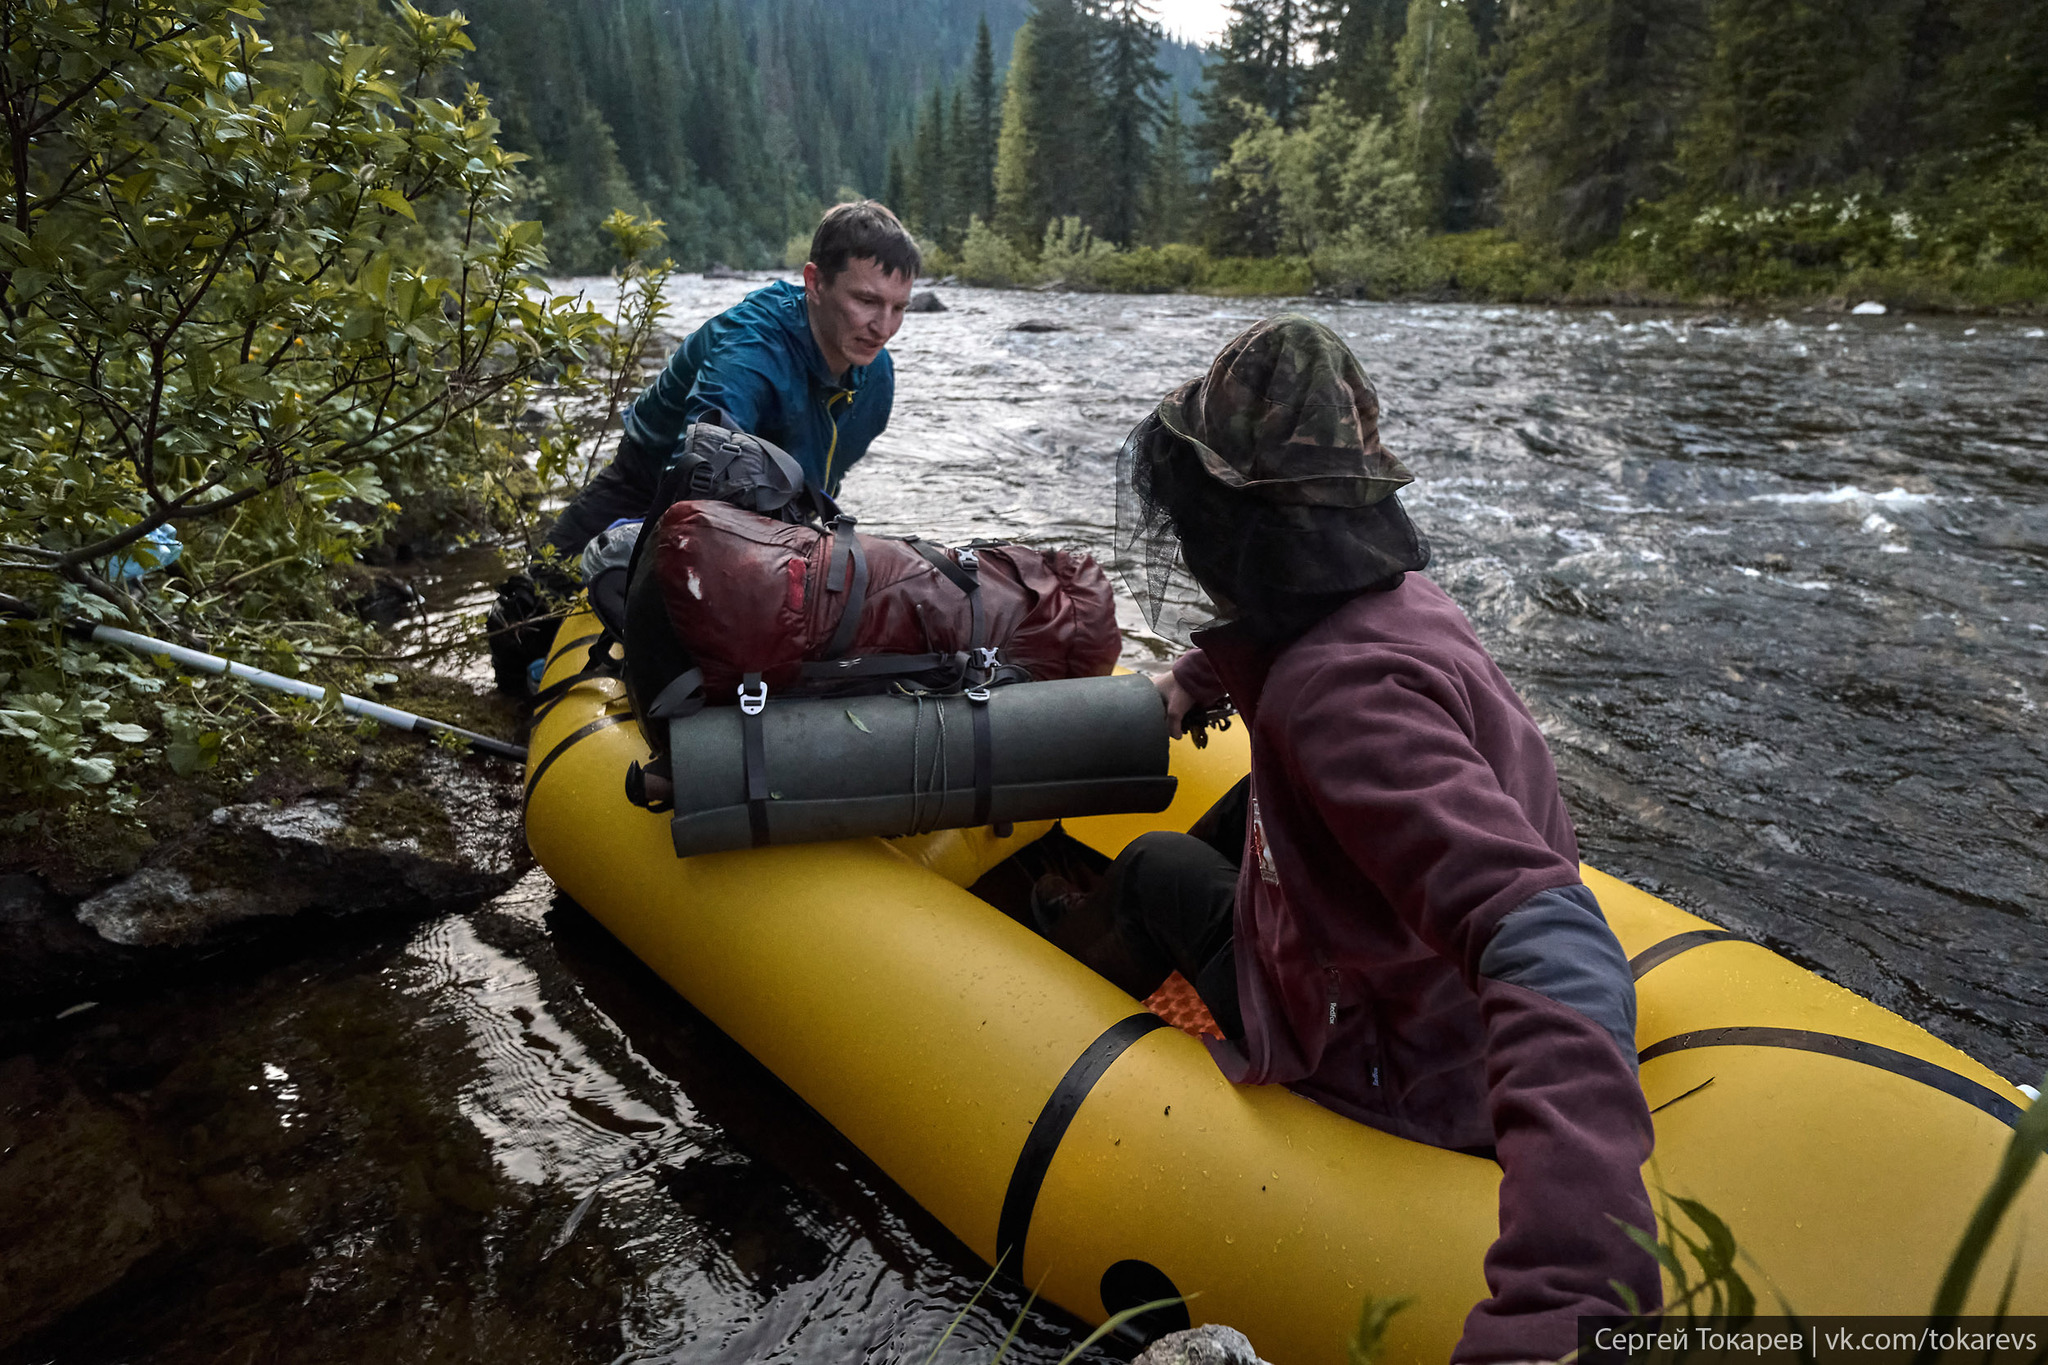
x=759, y=364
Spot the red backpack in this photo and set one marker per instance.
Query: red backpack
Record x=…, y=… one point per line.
x=788, y=608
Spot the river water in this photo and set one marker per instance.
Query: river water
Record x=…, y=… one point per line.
x=1776, y=588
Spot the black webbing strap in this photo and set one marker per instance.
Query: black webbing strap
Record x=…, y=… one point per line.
x=984, y=758
x=960, y=577
x=871, y=666
x=836, y=578
x=754, y=753
x=600, y=664
x=683, y=697
x=965, y=575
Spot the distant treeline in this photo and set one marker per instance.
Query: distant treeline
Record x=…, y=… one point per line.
x=734, y=121
x=1611, y=146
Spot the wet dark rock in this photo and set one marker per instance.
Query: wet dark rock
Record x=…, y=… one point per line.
x=925, y=302
x=1210, y=1344
x=387, y=598
x=442, y=835
x=2026, y=530
x=1038, y=325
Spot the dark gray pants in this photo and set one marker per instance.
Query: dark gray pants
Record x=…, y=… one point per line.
x=1169, y=904
x=622, y=488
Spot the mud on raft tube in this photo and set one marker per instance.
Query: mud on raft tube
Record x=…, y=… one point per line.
x=1049, y=1120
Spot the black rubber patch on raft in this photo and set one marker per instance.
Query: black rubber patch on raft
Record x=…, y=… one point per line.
x=1850, y=1049
x=1130, y=1283
x=1022, y=1196
x=568, y=742
x=1657, y=954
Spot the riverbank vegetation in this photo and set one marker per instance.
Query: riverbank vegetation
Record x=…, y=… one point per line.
x=258, y=318
x=1572, y=150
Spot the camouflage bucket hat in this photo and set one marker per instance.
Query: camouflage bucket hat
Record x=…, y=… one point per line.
x=1286, y=414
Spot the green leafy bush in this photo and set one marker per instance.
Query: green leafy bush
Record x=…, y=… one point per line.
x=988, y=258
x=259, y=303
x=1972, y=231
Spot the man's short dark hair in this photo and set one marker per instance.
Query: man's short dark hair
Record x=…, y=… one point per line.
x=863, y=228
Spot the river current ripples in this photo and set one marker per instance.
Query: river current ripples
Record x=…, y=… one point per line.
x=1775, y=587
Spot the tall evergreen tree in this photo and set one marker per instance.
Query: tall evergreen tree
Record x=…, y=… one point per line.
x=1793, y=93
x=1997, y=77
x=1436, y=76
x=1588, y=111
x=929, y=169
x=1355, y=42
x=963, y=156
x=1019, y=215
x=1050, y=122
x=984, y=122
x=1172, y=200
x=1258, y=70
x=896, y=185
x=1129, y=111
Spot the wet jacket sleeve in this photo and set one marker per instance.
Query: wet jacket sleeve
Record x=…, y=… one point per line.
x=1198, y=678
x=732, y=372
x=1382, y=745
x=739, y=380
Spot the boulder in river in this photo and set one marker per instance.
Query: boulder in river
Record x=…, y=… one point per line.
x=925, y=301
x=1038, y=325
x=1209, y=1344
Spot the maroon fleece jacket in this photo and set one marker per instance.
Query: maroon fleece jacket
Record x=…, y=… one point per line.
x=1416, y=949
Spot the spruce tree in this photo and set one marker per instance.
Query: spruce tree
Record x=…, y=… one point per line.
x=1171, y=198
x=1588, y=111
x=1792, y=92
x=896, y=186
x=1355, y=42
x=1997, y=79
x=1436, y=76
x=1018, y=212
x=1130, y=109
x=985, y=121
x=1257, y=70
x=1049, y=137
x=928, y=168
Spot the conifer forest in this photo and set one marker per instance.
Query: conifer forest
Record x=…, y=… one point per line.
x=1481, y=147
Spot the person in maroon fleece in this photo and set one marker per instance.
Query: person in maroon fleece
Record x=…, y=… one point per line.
x=1387, y=916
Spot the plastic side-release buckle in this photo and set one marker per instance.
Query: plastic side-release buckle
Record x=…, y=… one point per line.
x=985, y=657
x=970, y=562
x=755, y=702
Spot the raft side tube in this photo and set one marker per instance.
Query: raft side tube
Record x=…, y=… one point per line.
x=938, y=1036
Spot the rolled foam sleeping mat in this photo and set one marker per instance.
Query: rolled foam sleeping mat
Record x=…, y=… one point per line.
x=891, y=765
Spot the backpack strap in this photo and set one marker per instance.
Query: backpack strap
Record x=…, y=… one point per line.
x=846, y=555
x=872, y=666
x=681, y=699
x=982, y=665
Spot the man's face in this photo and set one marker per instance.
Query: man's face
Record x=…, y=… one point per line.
x=854, y=316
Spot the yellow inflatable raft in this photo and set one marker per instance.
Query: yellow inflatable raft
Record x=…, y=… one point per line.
x=1044, y=1116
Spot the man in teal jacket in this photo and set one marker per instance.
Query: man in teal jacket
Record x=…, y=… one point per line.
x=802, y=365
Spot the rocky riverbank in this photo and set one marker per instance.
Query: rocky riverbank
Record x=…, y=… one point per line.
x=314, y=828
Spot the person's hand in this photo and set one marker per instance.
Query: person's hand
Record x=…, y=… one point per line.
x=1178, y=702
